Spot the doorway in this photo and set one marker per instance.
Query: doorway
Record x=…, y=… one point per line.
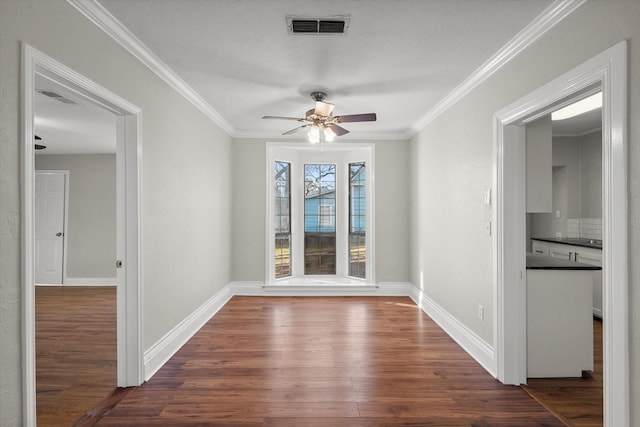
x=75, y=232
x=608, y=71
x=566, y=376
x=129, y=338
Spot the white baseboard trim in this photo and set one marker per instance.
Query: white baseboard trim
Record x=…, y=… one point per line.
x=477, y=348
x=260, y=289
x=90, y=281
x=172, y=341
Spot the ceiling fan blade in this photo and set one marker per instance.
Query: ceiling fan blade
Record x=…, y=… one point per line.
x=283, y=118
x=294, y=130
x=339, y=131
x=367, y=117
x=323, y=109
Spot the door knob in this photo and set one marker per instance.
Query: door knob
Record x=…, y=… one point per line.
x=58, y=234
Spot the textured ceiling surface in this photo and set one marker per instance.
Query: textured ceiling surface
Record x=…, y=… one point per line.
x=76, y=127
x=397, y=59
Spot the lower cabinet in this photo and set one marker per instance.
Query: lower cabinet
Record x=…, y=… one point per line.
x=559, y=323
x=594, y=257
x=579, y=254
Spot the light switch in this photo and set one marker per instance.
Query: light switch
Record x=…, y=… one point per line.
x=558, y=213
x=487, y=197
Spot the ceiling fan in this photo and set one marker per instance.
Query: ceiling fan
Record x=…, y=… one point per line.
x=321, y=118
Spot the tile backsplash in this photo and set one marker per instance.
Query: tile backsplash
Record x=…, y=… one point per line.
x=588, y=228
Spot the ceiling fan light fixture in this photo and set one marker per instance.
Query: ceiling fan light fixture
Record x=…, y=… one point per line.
x=321, y=122
x=314, y=134
x=329, y=134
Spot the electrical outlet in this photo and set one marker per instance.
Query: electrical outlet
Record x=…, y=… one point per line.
x=480, y=312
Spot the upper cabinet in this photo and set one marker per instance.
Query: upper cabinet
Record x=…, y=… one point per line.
x=539, y=165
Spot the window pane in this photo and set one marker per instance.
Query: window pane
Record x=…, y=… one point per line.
x=282, y=218
x=357, y=220
x=319, y=219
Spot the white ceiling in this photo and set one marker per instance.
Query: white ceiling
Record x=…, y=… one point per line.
x=579, y=125
x=78, y=128
x=398, y=58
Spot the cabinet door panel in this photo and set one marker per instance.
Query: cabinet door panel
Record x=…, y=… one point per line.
x=561, y=253
x=539, y=248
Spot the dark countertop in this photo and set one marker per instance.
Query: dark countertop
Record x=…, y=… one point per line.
x=575, y=241
x=543, y=262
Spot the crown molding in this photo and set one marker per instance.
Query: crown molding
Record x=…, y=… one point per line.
x=102, y=18
x=551, y=16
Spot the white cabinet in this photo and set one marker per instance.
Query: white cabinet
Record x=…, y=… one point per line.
x=594, y=257
x=539, y=165
x=559, y=324
x=581, y=254
x=564, y=252
x=539, y=248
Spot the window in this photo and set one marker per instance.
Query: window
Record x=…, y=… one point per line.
x=319, y=219
x=320, y=227
x=357, y=220
x=282, y=215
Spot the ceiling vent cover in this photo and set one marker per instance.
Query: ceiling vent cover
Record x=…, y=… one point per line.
x=328, y=25
x=55, y=95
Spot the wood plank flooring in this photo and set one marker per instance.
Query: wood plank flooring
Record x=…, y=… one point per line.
x=577, y=401
x=315, y=361
x=75, y=351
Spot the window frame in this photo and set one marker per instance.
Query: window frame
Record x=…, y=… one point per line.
x=297, y=154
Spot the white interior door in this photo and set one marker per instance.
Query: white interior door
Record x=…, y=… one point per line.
x=49, y=226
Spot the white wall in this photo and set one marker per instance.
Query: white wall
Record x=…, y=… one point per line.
x=186, y=179
x=452, y=162
x=391, y=211
x=91, y=237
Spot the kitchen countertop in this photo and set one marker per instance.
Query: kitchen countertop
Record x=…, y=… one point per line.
x=575, y=241
x=543, y=262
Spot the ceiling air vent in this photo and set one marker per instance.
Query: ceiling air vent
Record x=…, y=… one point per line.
x=55, y=95
x=329, y=25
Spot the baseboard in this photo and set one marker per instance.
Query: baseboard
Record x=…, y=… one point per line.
x=260, y=289
x=477, y=348
x=90, y=281
x=171, y=342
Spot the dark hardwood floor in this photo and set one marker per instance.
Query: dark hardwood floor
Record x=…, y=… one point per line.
x=75, y=351
x=276, y=361
x=577, y=401
x=315, y=361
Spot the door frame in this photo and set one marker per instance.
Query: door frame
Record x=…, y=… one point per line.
x=65, y=226
x=129, y=196
x=609, y=71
